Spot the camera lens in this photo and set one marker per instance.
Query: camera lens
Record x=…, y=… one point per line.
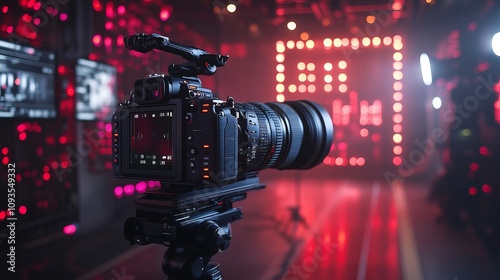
x=290, y=135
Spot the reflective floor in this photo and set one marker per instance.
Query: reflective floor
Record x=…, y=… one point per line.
x=305, y=228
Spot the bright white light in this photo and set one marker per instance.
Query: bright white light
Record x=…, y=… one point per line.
x=495, y=44
x=231, y=8
x=436, y=103
x=425, y=67
x=291, y=25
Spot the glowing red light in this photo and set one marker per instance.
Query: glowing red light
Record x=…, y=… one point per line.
x=5, y=9
x=375, y=137
x=70, y=91
x=64, y=164
x=141, y=187
x=5, y=160
x=97, y=5
x=164, y=14
x=97, y=39
x=342, y=146
x=46, y=168
x=486, y=188
x=63, y=16
x=2, y=215
x=119, y=40
x=118, y=191
x=37, y=6
x=109, y=10
x=474, y=166
x=17, y=81
x=108, y=25
x=26, y=18
x=10, y=29
x=22, y=136
x=61, y=69
x=46, y=176
x=21, y=127
x=352, y=161
x=128, y=189
x=63, y=139
x=36, y=21
x=23, y=210
x=472, y=191
x=69, y=229
x=397, y=161
x=484, y=151
x=361, y=161
x=5, y=150
x=151, y=184
x=121, y=10
x=108, y=41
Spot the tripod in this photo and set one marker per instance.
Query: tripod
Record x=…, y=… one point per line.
x=194, y=226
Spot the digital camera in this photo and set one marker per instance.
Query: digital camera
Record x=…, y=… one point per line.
x=174, y=130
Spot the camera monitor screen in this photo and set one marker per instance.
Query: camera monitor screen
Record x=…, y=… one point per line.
x=151, y=145
x=26, y=82
x=96, y=90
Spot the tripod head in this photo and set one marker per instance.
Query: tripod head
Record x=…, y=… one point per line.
x=194, y=225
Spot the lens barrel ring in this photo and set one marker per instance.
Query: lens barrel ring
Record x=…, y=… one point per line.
x=292, y=136
x=318, y=134
x=271, y=154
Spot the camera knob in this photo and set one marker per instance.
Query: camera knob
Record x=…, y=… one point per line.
x=213, y=238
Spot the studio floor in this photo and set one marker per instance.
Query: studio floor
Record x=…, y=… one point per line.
x=343, y=229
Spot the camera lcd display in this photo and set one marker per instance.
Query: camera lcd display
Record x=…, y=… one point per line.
x=151, y=144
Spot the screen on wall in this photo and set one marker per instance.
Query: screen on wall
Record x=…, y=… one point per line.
x=27, y=78
x=96, y=90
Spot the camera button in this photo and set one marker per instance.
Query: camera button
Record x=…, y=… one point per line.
x=190, y=138
x=193, y=106
x=116, y=140
x=193, y=151
x=192, y=165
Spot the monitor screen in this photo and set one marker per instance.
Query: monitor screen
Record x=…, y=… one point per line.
x=27, y=78
x=151, y=140
x=96, y=90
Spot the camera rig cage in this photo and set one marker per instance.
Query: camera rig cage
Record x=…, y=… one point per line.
x=194, y=223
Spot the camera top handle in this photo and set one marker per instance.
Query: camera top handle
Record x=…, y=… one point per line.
x=200, y=61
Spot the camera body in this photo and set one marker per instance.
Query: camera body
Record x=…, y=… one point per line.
x=176, y=131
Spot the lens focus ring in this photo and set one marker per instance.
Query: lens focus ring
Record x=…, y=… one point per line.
x=271, y=153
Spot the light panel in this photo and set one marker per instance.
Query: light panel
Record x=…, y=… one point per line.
x=329, y=77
